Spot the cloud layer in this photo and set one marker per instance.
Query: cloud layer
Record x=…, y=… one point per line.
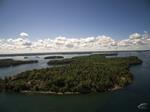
x=23, y=44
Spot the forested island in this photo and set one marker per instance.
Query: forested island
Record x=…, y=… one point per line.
x=53, y=57
x=11, y=62
x=78, y=75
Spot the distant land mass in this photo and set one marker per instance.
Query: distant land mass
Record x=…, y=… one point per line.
x=54, y=57
x=76, y=52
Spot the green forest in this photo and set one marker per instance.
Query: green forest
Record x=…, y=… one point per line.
x=83, y=74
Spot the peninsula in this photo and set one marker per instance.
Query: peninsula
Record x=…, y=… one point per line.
x=12, y=62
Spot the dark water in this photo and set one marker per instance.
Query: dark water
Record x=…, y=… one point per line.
x=124, y=100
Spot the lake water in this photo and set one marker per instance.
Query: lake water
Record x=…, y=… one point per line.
x=124, y=100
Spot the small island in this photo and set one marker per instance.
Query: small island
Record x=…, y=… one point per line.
x=25, y=57
x=53, y=57
x=11, y=62
x=78, y=75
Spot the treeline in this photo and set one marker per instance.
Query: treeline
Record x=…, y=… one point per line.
x=11, y=62
x=53, y=57
x=83, y=74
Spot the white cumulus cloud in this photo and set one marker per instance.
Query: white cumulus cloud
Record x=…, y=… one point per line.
x=23, y=34
x=100, y=43
x=135, y=36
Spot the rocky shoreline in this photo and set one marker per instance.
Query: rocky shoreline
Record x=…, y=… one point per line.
x=49, y=92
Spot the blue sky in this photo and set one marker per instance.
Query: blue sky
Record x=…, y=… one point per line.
x=120, y=21
x=74, y=18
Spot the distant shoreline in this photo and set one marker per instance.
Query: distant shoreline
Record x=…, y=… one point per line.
x=77, y=52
